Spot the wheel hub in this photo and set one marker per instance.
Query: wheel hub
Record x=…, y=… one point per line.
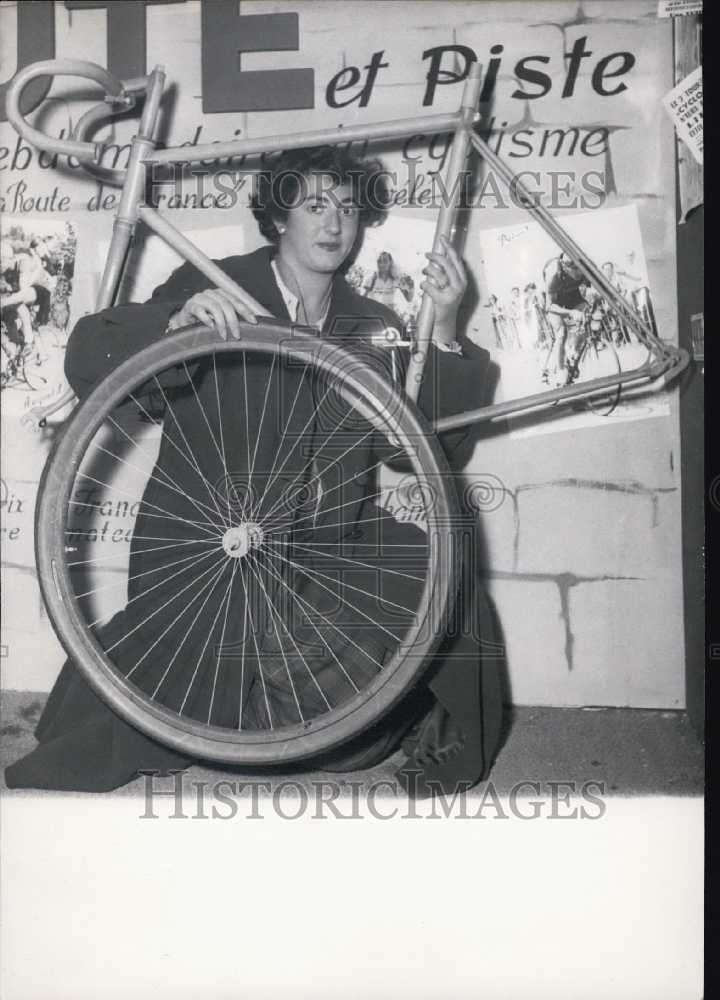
x=241, y=539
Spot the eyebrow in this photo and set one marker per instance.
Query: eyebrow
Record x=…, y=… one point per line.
x=325, y=199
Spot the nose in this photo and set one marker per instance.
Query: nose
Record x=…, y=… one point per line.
x=332, y=221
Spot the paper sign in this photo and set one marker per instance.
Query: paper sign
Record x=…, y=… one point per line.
x=671, y=8
x=684, y=104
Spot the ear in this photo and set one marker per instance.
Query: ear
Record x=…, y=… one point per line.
x=279, y=223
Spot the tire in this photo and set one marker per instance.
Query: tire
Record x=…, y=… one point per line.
x=600, y=363
x=34, y=380
x=360, y=389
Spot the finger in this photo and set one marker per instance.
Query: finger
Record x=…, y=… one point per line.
x=228, y=312
x=437, y=273
x=445, y=276
x=244, y=312
x=218, y=318
x=236, y=310
x=194, y=310
x=203, y=316
x=451, y=267
x=456, y=261
x=433, y=291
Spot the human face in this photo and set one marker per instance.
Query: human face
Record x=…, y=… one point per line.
x=384, y=263
x=570, y=268
x=320, y=231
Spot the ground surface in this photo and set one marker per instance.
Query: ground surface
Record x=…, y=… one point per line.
x=630, y=751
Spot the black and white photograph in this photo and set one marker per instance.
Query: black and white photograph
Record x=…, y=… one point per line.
x=551, y=326
x=352, y=500
x=38, y=266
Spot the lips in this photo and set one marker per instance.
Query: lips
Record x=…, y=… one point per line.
x=329, y=246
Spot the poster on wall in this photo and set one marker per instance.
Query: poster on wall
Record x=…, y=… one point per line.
x=36, y=283
x=551, y=328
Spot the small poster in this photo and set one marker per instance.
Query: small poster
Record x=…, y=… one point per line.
x=684, y=104
x=671, y=8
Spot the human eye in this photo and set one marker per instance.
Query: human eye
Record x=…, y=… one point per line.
x=349, y=210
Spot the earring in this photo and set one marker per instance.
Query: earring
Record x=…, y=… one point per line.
x=281, y=229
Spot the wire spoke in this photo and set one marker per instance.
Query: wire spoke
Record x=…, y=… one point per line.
x=247, y=428
x=363, y=472
x=273, y=613
x=262, y=421
x=167, y=513
x=208, y=583
x=273, y=473
x=222, y=439
x=318, y=476
x=307, y=572
x=203, y=526
x=302, y=604
x=194, y=462
x=160, y=583
x=228, y=595
x=307, y=667
x=317, y=452
x=170, y=484
x=242, y=665
x=124, y=555
x=163, y=606
x=372, y=545
x=328, y=510
x=298, y=438
x=136, y=576
x=257, y=651
x=336, y=524
x=168, y=438
x=215, y=581
x=353, y=562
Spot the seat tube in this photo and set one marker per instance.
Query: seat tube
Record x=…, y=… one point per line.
x=133, y=193
x=446, y=219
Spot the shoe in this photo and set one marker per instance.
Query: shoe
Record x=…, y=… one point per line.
x=444, y=759
x=422, y=777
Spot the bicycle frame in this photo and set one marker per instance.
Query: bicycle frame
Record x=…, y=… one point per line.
x=655, y=374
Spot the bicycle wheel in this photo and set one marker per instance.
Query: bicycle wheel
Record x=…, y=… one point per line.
x=599, y=359
x=32, y=378
x=256, y=605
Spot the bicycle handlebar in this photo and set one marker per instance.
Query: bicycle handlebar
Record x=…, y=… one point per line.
x=108, y=175
x=116, y=92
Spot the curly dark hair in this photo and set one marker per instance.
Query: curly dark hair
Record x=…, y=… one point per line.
x=280, y=188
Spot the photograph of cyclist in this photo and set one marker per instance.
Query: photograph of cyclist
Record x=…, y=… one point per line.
x=19, y=295
x=560, y=330
x=37, y=262
x=565, y=311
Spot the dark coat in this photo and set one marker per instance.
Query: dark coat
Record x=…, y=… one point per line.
x=297, y=445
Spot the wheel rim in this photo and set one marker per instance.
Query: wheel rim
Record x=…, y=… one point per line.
x=603, y=362
x=247, y=543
